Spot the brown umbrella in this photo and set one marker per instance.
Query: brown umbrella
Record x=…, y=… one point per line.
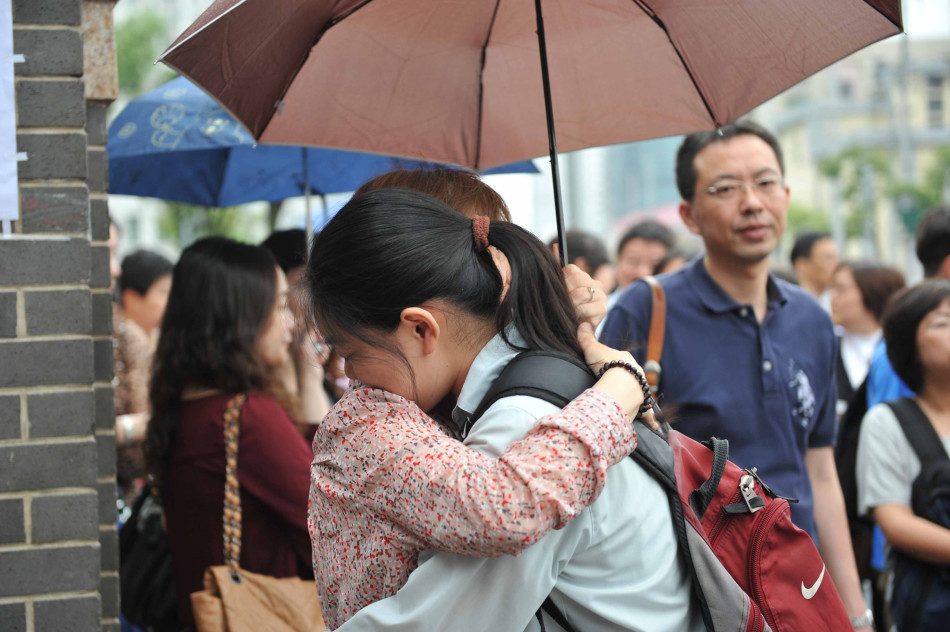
x=459, y=81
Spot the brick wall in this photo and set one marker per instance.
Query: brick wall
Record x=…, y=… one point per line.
x=58, y=543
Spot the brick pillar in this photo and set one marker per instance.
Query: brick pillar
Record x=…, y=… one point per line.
x=57, y=490
x=101, y=81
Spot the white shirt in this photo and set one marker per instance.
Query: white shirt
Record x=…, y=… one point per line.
x=856, y=352
x=886, y=464
x=614, y=568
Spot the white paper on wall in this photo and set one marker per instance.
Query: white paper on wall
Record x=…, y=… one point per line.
x=9, y=199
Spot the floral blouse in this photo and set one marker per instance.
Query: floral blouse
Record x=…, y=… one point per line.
x=388, y=481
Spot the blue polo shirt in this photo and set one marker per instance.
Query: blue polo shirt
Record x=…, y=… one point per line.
x=768, y=388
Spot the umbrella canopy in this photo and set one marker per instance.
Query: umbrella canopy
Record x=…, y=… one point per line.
x=460, y=82
x=176, y=143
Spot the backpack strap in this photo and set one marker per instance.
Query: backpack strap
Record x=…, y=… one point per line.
x=919, y=431
x=700, y=499
x=654, y=454
x=555, y=613
x=554, y=377
x=652, y=368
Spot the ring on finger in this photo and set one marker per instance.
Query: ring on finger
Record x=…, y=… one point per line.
x=592, y=290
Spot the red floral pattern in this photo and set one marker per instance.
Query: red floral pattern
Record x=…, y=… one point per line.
x=387, y=481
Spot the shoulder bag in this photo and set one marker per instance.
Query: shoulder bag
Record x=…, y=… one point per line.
x=235, y=600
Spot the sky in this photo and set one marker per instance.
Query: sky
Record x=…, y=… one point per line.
x=926, y=18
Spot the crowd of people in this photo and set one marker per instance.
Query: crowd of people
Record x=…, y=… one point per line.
x=368, y=466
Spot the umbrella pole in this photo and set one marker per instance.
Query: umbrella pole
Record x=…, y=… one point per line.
x=306, y=196
x=552, y=140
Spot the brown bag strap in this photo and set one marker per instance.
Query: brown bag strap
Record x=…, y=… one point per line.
x=232, y=491
x=652, y=367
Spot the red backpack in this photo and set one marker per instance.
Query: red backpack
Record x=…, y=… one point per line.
x=749, y=530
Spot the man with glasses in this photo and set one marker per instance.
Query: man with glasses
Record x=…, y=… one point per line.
x=747, y=357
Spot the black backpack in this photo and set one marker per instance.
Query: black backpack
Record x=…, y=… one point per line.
x=920, y=601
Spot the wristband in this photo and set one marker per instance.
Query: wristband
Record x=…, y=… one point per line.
x=647, y=396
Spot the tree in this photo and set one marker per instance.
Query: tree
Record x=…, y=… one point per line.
x=912, y=200
x=138, y=41
x=802, y=219
x=184, y=223
x=863, y=175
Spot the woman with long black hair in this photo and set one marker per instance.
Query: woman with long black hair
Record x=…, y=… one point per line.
x=225, y=327
x=417, y=300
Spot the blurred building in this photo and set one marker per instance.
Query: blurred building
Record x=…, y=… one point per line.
x=890, y=101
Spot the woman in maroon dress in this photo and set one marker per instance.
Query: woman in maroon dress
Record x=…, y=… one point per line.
x=226, y=324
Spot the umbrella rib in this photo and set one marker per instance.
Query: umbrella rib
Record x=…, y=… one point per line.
x=316, y=39
x=341, y=17
x=481, y=89
x=653, y=16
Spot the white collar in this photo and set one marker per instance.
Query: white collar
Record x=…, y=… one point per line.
x=486, y=367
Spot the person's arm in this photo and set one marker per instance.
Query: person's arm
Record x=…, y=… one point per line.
x=450, y=592
x=831, y=519
x=833, y=535
x=489, y=506
x=403, y=470
x=886, y=471
x=309, y=363
x=913, y=535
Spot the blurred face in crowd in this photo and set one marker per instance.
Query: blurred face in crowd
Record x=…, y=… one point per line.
x=273, y=346
x=933, y=342
x=740, y=223
x=637, y=259
x=605, y=275
x=820, y=266
x=847, y=304
x=147, y=311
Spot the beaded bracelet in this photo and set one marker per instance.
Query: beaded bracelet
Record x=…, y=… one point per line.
x=647, y=395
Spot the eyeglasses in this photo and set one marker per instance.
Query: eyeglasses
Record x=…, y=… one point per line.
x=765, y=187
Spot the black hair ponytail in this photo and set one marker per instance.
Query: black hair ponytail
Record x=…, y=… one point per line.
x=390, y=249
x=537, y=303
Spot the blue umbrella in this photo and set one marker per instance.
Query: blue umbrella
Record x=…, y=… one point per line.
x=176, y=143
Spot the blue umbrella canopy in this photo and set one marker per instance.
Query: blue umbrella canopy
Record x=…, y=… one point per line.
x=176, y=143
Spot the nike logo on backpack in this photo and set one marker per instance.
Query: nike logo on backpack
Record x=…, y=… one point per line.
x=808, y=593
